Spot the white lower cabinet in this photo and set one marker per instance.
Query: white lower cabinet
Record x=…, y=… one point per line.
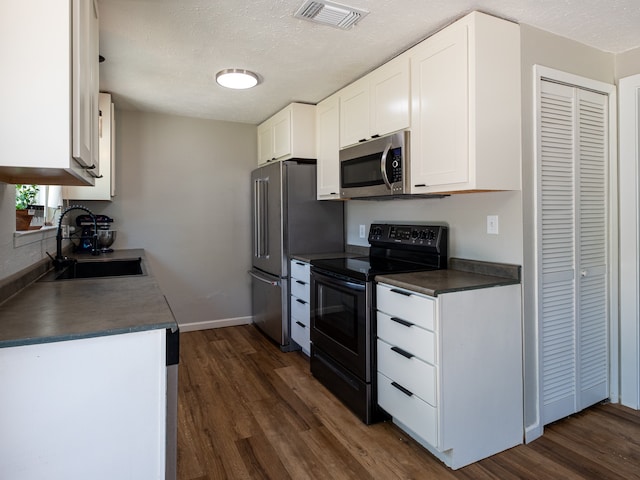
x=300, y=304
x=450, y=369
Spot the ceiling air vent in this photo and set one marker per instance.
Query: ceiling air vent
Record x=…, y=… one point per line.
x=329, y=13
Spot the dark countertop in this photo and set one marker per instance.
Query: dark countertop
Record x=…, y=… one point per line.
x=461, y=275
x=52, y=311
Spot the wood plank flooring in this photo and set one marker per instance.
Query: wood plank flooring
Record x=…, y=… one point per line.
x=248, y=411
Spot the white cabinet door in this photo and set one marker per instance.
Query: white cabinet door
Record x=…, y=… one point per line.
x=327, y=148
x=440, y=90
x=87, y=408
x=104, y=187
x=377, y=104
x=290, y=133
x=282, y=134
x=85, y=84
x=52, y=86
x=466, y=113
x=390, y=96
x=354, y=113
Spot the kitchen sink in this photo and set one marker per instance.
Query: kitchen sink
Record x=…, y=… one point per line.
x=97, y=269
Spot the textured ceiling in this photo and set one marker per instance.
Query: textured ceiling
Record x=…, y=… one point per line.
x=162, y=55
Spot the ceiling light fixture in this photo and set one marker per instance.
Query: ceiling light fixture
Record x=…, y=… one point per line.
x=237, y=78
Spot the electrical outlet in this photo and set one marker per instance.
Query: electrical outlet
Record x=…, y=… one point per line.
x=363, y=232
x=492, y=224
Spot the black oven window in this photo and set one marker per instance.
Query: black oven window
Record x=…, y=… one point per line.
x=337, y=316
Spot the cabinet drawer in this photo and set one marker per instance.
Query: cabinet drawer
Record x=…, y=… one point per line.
x=300, y=289
x=416, y=414
x=300, y=270
x=412, y=373
x=408, y=336
x=407, y=305
x=300, y=333
x=300, y=309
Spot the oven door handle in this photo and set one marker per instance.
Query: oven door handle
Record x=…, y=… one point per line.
x=339, y=281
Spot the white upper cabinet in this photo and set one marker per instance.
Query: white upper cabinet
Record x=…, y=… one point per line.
x=104, y=187
x=376, y=104
x=290, y=133
x=49, y=91
x=465, y=108
x=327, y=148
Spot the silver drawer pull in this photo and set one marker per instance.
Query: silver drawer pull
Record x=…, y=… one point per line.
x=401, y=292
x=401, y=321
x=408, y=393
x=402, y=352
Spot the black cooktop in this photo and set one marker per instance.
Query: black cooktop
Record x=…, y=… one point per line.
x=394, y=249
x=365, y=268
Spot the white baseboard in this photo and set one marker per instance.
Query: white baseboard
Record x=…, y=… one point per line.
x=532, y=432
x=223, y=322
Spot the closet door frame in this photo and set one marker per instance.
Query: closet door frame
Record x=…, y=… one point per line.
x=545, y=73
x=629, y=241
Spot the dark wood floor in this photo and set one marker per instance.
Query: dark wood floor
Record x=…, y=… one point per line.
x=248, y=411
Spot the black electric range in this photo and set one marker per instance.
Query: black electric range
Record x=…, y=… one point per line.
x=343, y=330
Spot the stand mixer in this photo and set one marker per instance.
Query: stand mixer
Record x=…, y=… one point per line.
x=105, y=235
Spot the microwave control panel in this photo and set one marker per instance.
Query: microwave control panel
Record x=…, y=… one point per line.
x=394, y=167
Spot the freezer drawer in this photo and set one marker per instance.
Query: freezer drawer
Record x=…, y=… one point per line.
x=267, y=306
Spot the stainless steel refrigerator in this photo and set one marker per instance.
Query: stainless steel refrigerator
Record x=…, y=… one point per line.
x=287, y=219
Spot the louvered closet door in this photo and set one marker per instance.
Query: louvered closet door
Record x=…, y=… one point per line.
x=572, y=249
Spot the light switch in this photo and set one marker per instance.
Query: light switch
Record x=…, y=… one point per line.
x=492, y=224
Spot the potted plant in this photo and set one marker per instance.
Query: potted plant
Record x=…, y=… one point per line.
x=25, y=197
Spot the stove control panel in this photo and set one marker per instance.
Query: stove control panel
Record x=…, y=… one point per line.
x=381, y=234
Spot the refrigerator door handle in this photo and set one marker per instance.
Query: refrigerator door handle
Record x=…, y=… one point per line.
x=261, y=232
x=275, y=283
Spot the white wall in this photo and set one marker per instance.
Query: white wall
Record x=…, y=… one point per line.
x=183, y=196
x=543, y=48
x=628, y=63
x=466, y=216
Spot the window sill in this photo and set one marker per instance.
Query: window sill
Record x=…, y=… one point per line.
x=26, y=237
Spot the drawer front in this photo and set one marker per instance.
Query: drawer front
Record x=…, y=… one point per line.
x=416, y=414
x=300, y=289
x=412, y=373
x=300, y=309
x=300, y=270
x=300, y=333
x=422, y=343
x=407, y=305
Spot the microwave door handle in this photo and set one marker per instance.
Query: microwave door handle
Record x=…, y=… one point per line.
x=383, y=166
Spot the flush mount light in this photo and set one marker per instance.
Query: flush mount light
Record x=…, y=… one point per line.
x=237, y=78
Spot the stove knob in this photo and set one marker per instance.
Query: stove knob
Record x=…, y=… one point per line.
x=414, y=234
x=423, y=235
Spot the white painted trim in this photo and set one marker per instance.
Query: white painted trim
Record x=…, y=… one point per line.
x=223, y=322
x=629, y=242
x=540, y=72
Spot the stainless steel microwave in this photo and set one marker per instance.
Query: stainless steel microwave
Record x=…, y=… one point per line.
x=376, y=168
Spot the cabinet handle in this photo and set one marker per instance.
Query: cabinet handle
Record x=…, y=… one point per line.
x=301, y=282
x=402, y=352
x=301, y=324
x=401, y=292
x=420, y=185
x=375, y=136
x=301, y=301
x=362, y=140
x=408, y=393
x=402, y=322
x=300, y=263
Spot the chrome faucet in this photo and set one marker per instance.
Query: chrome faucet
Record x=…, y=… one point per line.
x=61, y=261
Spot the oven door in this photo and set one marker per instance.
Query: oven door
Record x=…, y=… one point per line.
x=340, y=323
